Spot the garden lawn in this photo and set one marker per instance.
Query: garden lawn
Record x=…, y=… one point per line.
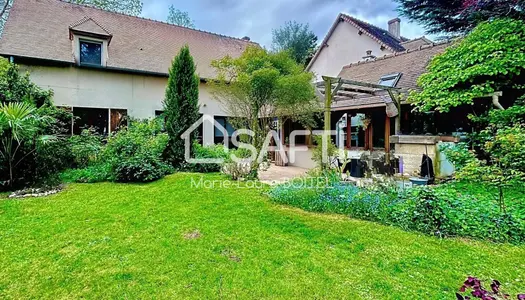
x=169, y=240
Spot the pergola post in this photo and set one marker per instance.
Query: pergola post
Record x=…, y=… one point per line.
x=397, y=124
x=327, y=102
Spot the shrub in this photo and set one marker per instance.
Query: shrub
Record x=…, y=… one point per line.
x=86, y=147
x=440, y=210
x=135, y=153
x=240, y=169
x=213, y=152
x=95, y=173
x=317, y=154
x=33, y=149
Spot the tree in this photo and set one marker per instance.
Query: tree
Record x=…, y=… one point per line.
x=489, y=59
x=260, y=86
x=498, y=150
x=458, y=16
x=128, y=7
x=178, y=17
x=19, y=126
x=296, y=38
x=181, y=104
x=5, y=6
x=30, y=129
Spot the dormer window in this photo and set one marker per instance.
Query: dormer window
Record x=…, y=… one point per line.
x=90, y=42
x=90, y=53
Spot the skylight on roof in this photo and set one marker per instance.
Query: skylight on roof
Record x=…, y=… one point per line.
x=390, y=79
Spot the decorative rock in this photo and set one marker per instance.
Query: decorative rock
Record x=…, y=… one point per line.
x=30, y=193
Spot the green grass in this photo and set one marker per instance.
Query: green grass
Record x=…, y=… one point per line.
x=128, y=241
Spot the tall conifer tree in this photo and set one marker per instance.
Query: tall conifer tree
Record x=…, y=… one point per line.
x=181, y=104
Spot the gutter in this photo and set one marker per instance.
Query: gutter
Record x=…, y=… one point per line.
x=57, y=63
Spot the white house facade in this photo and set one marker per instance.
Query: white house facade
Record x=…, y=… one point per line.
x=351, y=40
x=104, y=65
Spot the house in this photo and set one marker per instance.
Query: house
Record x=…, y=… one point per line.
x=351, y=40
x=105, y=65
x=367, y=126
x=414, y=134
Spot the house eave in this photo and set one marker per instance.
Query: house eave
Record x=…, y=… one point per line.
x=62, y=63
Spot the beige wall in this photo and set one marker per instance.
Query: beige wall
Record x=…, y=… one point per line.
x=141, y=95
x=303, y=159
x=345, y=46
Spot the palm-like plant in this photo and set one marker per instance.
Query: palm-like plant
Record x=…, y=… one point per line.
x=20, y=124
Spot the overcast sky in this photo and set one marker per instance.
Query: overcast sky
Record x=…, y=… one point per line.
x=256, y=18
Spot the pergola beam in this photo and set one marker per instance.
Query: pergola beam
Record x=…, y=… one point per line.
x=369, y=85
x=339, y=89
x=341, y=93
x=357, y=90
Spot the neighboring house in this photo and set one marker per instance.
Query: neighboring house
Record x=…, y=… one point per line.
x=106, y=65
x=351, y=40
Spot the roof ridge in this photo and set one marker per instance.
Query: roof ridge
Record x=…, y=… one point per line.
x=370, y=24
x=355, y=22
x=395, y=54
x=157, y=21
x=423, y=37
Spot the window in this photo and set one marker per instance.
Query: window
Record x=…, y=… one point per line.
x=357, y=131
x=390, y=79
x=119, y=119
x=219, y=136
x=97, y=118
x=90, y=53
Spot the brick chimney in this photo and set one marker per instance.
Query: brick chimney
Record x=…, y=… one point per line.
x=394, y=27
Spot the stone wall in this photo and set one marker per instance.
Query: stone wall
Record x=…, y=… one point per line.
x=412, y=148
x=412, y=155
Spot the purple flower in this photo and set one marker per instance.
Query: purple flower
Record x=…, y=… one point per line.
x=479, y=293
x=495, y=286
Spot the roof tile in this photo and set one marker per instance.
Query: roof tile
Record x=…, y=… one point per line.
x=380, y=34
x=411, y=63
x=40, y=29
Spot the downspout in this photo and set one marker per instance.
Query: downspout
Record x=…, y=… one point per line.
x=495, y=100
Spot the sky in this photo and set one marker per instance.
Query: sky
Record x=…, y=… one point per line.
x=256, y=19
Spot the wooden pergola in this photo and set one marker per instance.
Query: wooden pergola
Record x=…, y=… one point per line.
x=334, y=89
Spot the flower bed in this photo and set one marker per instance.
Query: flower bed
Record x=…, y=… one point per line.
x=441, y=210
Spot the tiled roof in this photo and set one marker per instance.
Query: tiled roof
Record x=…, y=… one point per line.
x=40, y=29
x=411, y=63
x=383, y=37
x=416, y=43
x=379, y=34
